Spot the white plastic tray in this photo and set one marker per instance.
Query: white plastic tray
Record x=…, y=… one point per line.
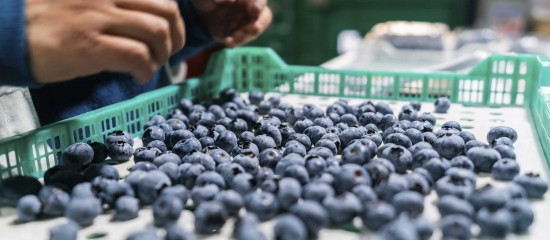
x=477, y=120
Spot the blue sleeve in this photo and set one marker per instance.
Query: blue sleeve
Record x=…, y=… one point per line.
x=197, y=38
x=14, y=57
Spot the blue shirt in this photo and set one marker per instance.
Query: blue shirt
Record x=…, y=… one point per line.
x=54, y=102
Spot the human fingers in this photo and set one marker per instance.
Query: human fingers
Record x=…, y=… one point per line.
x=250, y=31
x=167, y=9
x=119, y=54
x=149, y=29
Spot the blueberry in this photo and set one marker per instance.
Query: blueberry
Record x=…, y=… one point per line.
x=483, y=158
x=249, y=162
x=294, y=146
x=288, y=160
x=442, y=105
x=321, y=152
x=449, y=205
x=429, y=137
x=219, y=156
x=201, y=194
x=424, y=228
x=54, y=201
x=495, y=223
x=422, y=156
x=146, y=154
x=151, y=184
x=419, y=146
x=200, y=131
x=460, y=173
x=312, y=214
x=489, y=197
x=28, y=207
x=423, y=173
x=227, y=141
x=502, y=141
x=315, y=166
x=501, y=131
x=383, y=108
x=449, y=145
x=323, y=122
x=232, y=201
x=436, y=167
x=246, y=136
x=238, y=126
x=243, y=183
x=207, y=142
x=297, y=172
x=100, y=152
x=152, y=133
x=418, y=183
x=301, y=138
x=270, y=157
x=380, y=170
x=399, y=156
x=147, y=234
x=462, y=162
x=166, y=211
x=350, y=176
x=246, y=228
x=103, y=170
x=394, y=184
x=522, y=215
x=369, y=118
x=289, y=192
x=505, y=169
x=83, y=210
x=534, y=185
x=65, y=231
x=290, y=227
x=505, y=151
x=456, y=227
x=174, y=137
x=408, y=113
x=356, y=153
x=185, y=105
x=414, y=135
x=174, y=232
x=77, y=156
x=229, y=171
x=176, y=124
x=110, y=190
x=317, y=191
x=387, y=121
x=117, y=136
x=126, y=208
x=155, y=120
x=120, y=151
x=459, y=187
x=427, y=117
x=330, y=144
x=400, y=228
x=178, y=191
x=167, y=158
x=187, y=146
x=342, y=208
x=217, y=111
x=473, y=143
x=391, y=130
x=83, y=190
x=365, y=193
x=467, y=136
x=264, y=204
x=516, y=191
x=377, y=214
x=408, y=201
x=144, y=166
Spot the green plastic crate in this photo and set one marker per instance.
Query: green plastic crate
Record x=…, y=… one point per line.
x=500, y=81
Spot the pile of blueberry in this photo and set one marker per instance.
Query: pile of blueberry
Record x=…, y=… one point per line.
x=306, y=168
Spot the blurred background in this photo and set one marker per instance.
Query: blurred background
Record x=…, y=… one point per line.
x=312, y=32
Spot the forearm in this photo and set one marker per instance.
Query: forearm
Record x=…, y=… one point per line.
x=15, y=67
x=197, y=37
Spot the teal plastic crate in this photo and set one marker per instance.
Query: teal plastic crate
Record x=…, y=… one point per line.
x=499, y=81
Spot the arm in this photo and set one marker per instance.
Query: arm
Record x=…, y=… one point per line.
x=14, y=63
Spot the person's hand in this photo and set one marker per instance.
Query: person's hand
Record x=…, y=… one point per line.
x=74, y=38
x=234, y=22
